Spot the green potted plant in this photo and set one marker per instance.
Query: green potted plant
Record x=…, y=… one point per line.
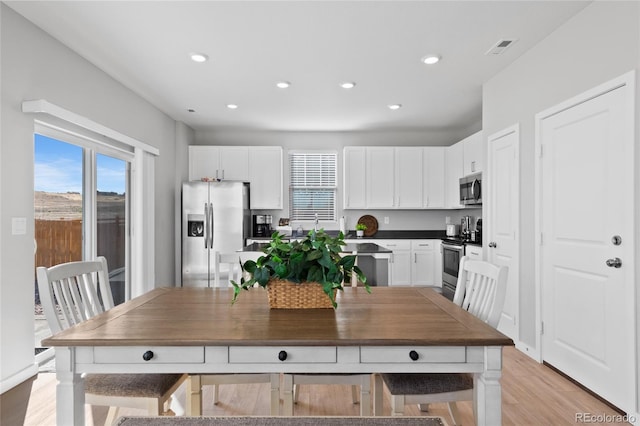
x=360, y=228
x=313, y=267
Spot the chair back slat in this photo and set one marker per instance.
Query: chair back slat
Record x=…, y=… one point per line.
x=481, y=289
x=69, y=292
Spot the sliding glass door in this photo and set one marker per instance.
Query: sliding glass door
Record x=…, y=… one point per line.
x=81, y=209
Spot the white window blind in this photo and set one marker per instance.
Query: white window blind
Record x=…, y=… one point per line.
x=313, y=185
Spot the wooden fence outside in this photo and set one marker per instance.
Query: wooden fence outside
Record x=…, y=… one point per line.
x=60, y=241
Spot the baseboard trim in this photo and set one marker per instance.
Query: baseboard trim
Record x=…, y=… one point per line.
x=14, y=380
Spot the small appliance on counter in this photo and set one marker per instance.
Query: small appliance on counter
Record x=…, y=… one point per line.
x=262, y=225
x=283, y=227
x=476, y=235
x=453, y=230
x=465, y=227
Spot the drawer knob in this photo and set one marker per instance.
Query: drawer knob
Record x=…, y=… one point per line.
x=282, y=355
x=147, y=356
x=414, y=355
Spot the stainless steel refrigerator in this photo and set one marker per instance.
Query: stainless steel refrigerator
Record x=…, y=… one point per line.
x=215, y=217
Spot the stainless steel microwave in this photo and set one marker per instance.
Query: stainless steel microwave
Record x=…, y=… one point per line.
x=471, y=189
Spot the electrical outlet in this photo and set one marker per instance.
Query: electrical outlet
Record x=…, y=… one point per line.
x=386, y=220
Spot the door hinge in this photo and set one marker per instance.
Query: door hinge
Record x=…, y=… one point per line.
x=541, y=327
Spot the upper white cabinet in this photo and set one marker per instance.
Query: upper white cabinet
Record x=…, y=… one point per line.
x=473, y=154
x=394, y=177
x=354, y=172
x=408, y=179
x=265, y=175
x=261, y=166
x=433, y=177
x=220, y=162
x=453, y=173
x=380, y=177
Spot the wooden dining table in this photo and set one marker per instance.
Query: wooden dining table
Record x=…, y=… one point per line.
x=198, y=331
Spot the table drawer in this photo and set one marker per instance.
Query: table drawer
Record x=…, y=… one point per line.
x=386, y=354
x=148, y=355
x=284, y=354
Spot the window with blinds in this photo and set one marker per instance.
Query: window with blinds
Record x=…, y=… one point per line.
x=313, y=185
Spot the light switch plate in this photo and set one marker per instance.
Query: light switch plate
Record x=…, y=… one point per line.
x=18, y=225
x=386, y=220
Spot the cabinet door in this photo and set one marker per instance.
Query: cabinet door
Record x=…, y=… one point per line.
x=203, y=161
x=380, y=172
x=408, y=179
x=474, y=252
x=453, y=161
x=265, y=175
x=433, y=174
x=473, y=154
x=422, y=262
x=354, y=177
x=234, y=163
x=400, y=260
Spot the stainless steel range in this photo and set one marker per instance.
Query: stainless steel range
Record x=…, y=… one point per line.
x=452, y=252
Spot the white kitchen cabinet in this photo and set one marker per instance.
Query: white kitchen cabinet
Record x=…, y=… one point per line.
x=473, y=252
x=473, y=154
x=414, y=262
x=408, y=178
x=265, y=175
x=220, y=162
x=354, y=177
x=453, y=173
x=423, y=262
x=400, y=260
x=433, y=177
x=380, y=175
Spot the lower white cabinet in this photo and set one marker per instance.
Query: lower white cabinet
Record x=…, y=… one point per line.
x=414, y=262
x=473, y=252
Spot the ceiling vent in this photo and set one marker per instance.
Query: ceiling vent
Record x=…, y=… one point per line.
x=500, y=46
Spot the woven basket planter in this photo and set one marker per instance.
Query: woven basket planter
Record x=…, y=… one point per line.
x=289, y=295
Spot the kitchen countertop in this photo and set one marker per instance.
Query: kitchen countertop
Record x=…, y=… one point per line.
x=361, y=248
x=382, y=235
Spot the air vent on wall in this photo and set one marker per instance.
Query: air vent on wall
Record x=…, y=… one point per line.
x=500, y=46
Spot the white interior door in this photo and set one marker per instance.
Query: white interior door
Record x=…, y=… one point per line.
x=503, y=217
x=586, y=200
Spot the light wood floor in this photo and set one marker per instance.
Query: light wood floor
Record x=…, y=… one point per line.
x=532, y=394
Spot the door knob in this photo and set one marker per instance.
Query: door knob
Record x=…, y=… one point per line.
x=492, y=244
x=614, y=263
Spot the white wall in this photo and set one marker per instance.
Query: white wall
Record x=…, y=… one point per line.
x=336, y=141
x=36, y=66
x=599, y=43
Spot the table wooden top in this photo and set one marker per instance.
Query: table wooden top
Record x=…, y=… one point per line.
x=205, y=317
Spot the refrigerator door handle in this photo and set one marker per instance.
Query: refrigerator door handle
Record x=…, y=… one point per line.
x=210, y=225
x=206, y=226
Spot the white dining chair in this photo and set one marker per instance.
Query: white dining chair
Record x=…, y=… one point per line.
x=227, y=268
x=480, y=290
x=77, y=291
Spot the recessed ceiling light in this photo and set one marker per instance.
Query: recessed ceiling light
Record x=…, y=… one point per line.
x=431, y=59
x=232, y=106
x=283, y=84
x=199, y=57
x=348, y=85
x=395, y=106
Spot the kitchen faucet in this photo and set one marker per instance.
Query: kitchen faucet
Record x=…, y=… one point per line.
x=315, y=227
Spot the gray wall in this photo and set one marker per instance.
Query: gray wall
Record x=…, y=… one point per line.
x=36, y=66
x=598, y=44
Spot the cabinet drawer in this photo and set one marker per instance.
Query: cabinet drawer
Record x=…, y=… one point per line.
x=386, y=354
x=474, y=252
x=395, y=244
x=155, y=355
x=422, y=244
x=285, y=354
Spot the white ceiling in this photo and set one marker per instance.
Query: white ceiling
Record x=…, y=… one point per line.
x=313, y=44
